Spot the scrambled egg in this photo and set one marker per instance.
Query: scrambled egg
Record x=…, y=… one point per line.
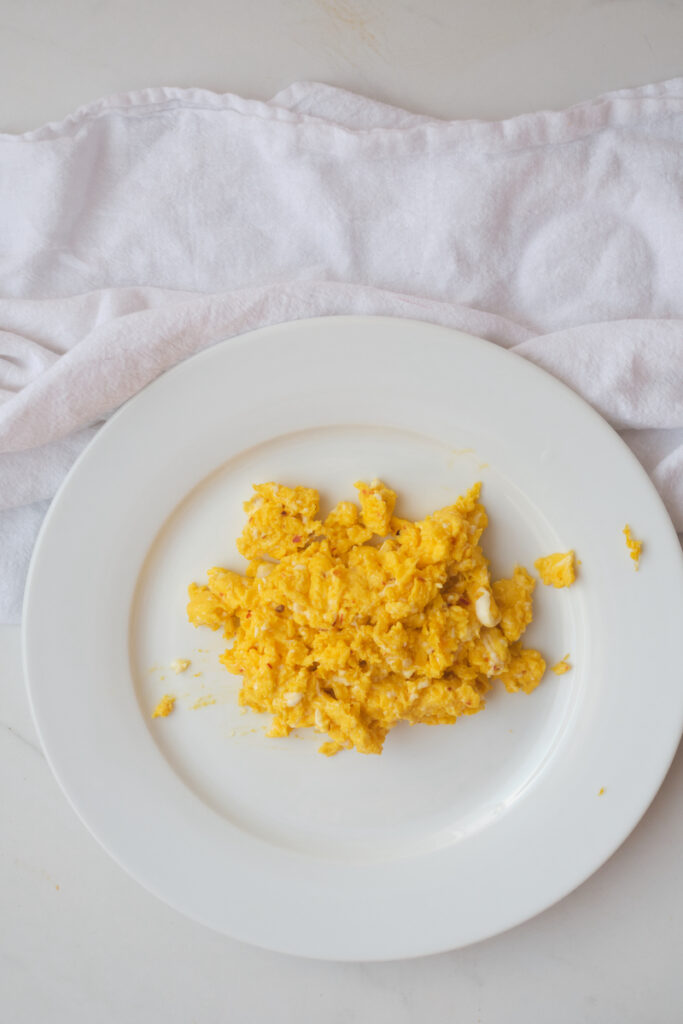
x=562, y=666
x=634, y=546
x=352, y=623
x=557, y=570
x=180, y=665
x=164, y=707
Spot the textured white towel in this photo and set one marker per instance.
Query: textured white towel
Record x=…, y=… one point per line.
x=149, y=225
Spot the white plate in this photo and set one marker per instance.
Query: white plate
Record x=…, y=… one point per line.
x=455, y=832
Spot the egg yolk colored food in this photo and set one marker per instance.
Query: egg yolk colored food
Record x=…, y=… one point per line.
x=634, y=546
x=562, y=666
x=164, y=707
x=354, y=622
x=557, y=570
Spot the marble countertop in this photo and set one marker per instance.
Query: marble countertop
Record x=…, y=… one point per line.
x=80, y=941
x=448, y=58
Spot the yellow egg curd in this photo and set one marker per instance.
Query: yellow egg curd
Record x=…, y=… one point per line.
x=562, y=666
x=557, y=570
x=164, y=707
x=634, y=546
x=355, y=622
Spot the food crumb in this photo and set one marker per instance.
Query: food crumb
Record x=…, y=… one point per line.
x=562, y=666
x=601, y=791
x=57, y=888
x=557, y=570
x=180, y=665
x=203, y=702
x=634, y=546
x=164, y=707
x=196, y=675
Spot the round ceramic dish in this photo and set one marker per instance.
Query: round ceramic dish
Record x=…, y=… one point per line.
x=455, y=832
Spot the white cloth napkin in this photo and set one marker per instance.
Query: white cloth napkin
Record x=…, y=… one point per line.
x=149, y=225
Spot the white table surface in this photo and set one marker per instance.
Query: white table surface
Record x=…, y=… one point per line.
x=80, y=941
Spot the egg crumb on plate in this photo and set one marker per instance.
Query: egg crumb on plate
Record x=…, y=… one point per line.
x=203, y=702
x=164, y=707
x=557, y=570
x=634, y=546
x=180, y=665
x=562, y=666
x=351, y=623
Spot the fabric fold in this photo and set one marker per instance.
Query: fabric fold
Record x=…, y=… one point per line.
x=149, y=225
